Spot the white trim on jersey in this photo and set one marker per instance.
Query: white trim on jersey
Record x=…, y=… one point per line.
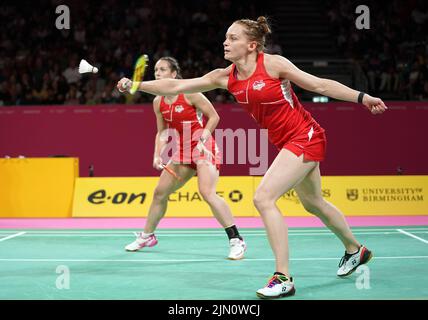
x=286, y=92
x=199, y=116
x=310, y=133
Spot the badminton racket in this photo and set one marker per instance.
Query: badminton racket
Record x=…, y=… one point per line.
x=137, y=77
x=171, y=172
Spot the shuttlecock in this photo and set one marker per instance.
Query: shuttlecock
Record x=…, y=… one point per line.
x=85, y=67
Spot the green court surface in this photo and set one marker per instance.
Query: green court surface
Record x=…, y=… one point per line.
x=191, y=264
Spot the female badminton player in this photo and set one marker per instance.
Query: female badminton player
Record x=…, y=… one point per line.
x=261, y=83
x=197, y=152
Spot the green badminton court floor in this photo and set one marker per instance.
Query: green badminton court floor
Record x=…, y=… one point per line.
x=191, y=264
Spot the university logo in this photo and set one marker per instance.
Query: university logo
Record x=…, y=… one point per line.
x=352, y=194
x=258, y=85
x=179, y=108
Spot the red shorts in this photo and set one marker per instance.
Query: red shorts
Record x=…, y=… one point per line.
x=312, y=149
x=192, y=156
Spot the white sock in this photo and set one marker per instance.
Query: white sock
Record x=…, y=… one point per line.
x=146, y=235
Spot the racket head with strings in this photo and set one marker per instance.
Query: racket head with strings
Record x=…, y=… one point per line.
x=171, y=172
x=139, y=70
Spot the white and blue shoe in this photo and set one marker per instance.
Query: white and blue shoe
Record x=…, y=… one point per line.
x=279, y=286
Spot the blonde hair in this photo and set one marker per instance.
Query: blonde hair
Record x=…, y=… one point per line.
x=256, y=30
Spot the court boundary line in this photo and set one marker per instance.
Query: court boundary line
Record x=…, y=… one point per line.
x=13, y=236
x=191, y=260
x=412, y=235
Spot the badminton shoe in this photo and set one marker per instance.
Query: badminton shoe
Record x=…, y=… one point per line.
x=350, y=262
x=142, y=242
x=279, y=286
x=237, y=249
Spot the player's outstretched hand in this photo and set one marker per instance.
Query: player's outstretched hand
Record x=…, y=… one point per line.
x=375, y=105
x=124, y=85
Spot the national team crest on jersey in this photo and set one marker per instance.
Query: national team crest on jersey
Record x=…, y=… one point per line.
x=258, y=85
x=179, y=108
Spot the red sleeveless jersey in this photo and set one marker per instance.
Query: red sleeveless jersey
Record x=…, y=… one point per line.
x=188, y=122
x=180, y=115
x=274, y=105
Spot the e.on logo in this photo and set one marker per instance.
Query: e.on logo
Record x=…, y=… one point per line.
x=100, y=197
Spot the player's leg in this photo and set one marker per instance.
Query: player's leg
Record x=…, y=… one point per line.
x=309, y=192
x=286, y=171
x=167, y=184
x=208, y=176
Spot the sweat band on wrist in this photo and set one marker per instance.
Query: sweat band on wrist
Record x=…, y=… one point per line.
x=360, y=97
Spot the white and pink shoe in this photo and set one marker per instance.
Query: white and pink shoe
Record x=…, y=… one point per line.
x=237, y=249
x=142, y=241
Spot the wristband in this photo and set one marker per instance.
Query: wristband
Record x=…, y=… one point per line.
x=360, y=97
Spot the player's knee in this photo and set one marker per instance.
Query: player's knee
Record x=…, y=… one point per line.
x=313, y=205
x=262, y=199
x=207, y=194
x=160, y=194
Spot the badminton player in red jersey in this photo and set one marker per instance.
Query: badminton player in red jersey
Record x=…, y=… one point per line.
x=261, y=84
x=196, y=152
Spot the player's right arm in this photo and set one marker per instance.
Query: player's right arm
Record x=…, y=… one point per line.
x=216, y=79
x=159, y=143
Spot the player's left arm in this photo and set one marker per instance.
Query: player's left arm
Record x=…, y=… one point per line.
x=202, y=103
x=327, y=87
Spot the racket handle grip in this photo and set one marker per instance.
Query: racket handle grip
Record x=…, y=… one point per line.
x=134, y=87
x=125, y=85
x=171, y=172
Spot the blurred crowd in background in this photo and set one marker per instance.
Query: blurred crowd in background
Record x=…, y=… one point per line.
x=393, y=53
x=38, y=63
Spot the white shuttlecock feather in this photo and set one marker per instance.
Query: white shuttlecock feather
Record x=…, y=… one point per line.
x=86, y=67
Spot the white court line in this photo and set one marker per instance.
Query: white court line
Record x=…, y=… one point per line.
x=193, y=260
x=12, y=236
x=127, y=235
x=412, y=235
